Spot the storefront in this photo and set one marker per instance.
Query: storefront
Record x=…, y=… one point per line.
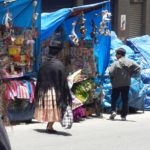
x=84, y=34
x=19, y=54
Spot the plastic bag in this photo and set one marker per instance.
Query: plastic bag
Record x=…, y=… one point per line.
x=67, y=118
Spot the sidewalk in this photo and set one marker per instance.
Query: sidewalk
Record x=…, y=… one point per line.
x=90, y=134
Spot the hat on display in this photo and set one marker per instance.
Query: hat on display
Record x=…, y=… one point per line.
x=121, y=51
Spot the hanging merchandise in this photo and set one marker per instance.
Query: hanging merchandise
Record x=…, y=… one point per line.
x=34, y=19
x=19, y=48
x=18, y=43
x=81, y=23
x=8, y=20
x=103, y=28
x=73, y=37
x=94, y=31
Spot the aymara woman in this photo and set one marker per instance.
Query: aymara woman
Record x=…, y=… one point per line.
x=52, y=92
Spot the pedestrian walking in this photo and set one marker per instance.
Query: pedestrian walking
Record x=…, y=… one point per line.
x=52, y=92
x=120, y=73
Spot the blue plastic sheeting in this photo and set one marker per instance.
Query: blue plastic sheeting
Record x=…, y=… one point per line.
x=137, y=94
x=115, y=42
x=21, y=11
x=145, y=74
x=141, y=45
x=51, y=21
x=147, y=97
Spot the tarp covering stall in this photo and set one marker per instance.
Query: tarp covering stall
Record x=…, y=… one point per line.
x=21, y=11
x=51, y=21
x=141, y=46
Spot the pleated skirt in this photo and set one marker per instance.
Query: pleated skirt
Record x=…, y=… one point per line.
x=47, y=110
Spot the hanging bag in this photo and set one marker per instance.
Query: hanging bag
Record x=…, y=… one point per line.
x=67, y=118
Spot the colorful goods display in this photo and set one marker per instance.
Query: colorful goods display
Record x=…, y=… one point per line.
x=16, y=52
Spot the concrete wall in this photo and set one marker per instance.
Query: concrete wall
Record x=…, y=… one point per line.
x=147, y=17
x=121, y=8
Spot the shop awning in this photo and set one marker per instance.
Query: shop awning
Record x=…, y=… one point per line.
x=51, y=21
x=21, y=11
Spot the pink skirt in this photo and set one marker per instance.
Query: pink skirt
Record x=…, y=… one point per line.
x=47, y=109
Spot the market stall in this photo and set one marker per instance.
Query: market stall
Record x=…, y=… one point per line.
x=84, y=35
x=19, y=55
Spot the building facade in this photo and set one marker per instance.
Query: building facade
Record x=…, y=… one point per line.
x=131, y=18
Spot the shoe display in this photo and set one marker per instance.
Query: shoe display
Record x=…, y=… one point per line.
x=112, y=116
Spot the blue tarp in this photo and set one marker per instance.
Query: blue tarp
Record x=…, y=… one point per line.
x=141, y=45
x=51, y=21
x=21, y=11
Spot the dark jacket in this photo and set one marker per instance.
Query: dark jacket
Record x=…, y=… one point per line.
x=4, y=141
x=52, y=75
x=121, y=72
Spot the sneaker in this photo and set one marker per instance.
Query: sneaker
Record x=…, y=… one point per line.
x=112, y=116
x=123, y=118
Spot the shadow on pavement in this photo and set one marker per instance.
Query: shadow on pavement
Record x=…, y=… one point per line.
x=121, y=120
x=56, y=133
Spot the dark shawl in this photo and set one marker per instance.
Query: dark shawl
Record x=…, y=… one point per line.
x=4, y=140
x=52, y=75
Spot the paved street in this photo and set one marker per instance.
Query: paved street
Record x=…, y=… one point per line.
x=90, y=134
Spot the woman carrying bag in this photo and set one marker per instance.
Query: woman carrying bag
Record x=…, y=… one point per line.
x=52, y=92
